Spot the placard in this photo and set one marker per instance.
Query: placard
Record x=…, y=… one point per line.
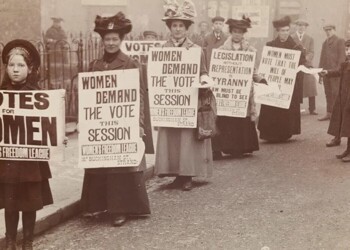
x=109, y=113
x=138, y=50
x=279, y=67
x=233, y=73
x=32, y=125
x=172, y=73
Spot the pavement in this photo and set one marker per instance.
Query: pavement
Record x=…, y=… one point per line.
x=66, y=186
x=286, y=196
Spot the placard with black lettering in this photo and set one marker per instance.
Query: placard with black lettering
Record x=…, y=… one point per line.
x=279, y=67
x=109, y=119
x=171, y=74
x=233, y=73
x=138, y=50
x=32, y=125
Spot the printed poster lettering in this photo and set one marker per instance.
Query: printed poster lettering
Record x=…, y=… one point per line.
x=32, y=125
x=109, y=113
x=172, y=73
x=138, y=50
x=279, y=67
x=233, y=72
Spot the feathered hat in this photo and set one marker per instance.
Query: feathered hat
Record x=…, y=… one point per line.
x=117, y=23
x=243, y=24
x=185, y=12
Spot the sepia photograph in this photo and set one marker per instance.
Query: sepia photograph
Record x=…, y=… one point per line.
x=175, y=124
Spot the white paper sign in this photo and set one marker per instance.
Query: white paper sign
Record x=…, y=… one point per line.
x=311, y=71
x=279, y=67
x=139, y=49
x=233, y=73
x=171, y=74
x=109, y=113
x=32, y=125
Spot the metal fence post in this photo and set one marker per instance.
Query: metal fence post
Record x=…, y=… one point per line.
x=48, y=70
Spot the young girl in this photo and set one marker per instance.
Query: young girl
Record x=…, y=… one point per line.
x=278, y=125
x=24, y=185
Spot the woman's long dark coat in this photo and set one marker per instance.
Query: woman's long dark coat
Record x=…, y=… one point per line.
x=340, y=121
x=117, y=190
x=277, y=124
x=148, y=139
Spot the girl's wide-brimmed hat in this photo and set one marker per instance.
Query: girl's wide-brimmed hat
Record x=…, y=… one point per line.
x=185, y=12
x=23, y=45
x=243, y=24
x=117, y=23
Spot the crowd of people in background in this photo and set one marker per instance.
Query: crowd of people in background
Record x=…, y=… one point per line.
x=121, y=191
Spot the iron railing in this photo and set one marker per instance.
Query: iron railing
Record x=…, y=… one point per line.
x=61, y=61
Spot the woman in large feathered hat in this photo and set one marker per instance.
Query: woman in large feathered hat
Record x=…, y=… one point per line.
x=119, y=191
x=178, y=152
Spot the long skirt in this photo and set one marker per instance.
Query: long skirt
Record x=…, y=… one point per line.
x=117, y=190
x=25, y=196
x=277, y=124
x=340, y=121
x=236, y=136
x=179, y=153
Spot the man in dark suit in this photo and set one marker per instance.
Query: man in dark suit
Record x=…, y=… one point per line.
x=214, y=39
x=332, y=55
